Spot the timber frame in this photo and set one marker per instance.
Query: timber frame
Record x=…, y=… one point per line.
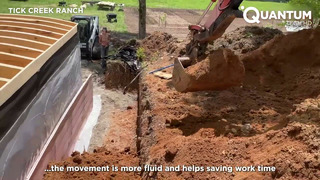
x=26, y=43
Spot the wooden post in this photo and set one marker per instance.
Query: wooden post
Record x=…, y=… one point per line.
x=142, y=19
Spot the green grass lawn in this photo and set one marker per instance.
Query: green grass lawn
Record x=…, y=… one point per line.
x=120, y=26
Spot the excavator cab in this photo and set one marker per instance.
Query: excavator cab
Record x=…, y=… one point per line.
x=200, y=35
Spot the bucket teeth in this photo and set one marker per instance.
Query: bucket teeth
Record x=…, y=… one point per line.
x=185, y=61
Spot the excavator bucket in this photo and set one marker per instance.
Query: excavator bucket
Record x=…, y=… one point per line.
x=221, y=70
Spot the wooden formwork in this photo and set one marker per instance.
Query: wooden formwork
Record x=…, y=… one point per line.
x=26, y=43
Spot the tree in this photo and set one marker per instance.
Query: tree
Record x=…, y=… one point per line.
x=313, y=5
x=142, y=19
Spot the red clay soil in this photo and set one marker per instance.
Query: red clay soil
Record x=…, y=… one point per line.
x=273, y=120
x=118, y=75
x=119, y=150
x=100, y=158
x=157, y=43
x=121, y=135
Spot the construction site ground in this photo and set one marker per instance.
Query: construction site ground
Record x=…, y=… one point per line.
x=175, y=21
x=271, y=120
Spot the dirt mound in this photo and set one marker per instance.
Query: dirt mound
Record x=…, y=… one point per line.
x=245, y=39
x=118, y=75
x=220, y=70
x=288, y=65
x=100, y=158
x=159, y=42
x=273, y=120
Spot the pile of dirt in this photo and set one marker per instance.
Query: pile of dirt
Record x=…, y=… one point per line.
x=100, y=158
x=159, y=42
x=272, y=120
x=118, y=75
x=245, y=39
x=287, y=65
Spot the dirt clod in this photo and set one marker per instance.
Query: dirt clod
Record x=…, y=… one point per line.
x=77, y=159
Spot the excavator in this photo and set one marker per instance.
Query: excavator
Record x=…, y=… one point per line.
x=201, y=34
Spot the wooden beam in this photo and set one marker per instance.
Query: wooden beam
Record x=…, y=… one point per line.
x=24, y=42
x=2, y=83
x=30, y=36
x=15, y=60
x=20, y=50
x=7, y=72
x=32, y=25
x=31, y=30
x=29, y=49
x=34, y=21
x=41, y=18
x=11, y=66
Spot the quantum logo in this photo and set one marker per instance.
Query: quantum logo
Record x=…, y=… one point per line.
x=276, y=15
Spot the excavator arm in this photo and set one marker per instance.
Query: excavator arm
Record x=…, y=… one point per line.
x=214, y=27
x=200, y=35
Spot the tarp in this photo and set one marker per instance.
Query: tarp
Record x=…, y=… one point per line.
x=17, y=103
x=21, y=145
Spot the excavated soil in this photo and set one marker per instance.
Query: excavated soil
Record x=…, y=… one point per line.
x=272, y=120
x=158, y=43
x=100, y=158
x=245, y=39
x=118, y=75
